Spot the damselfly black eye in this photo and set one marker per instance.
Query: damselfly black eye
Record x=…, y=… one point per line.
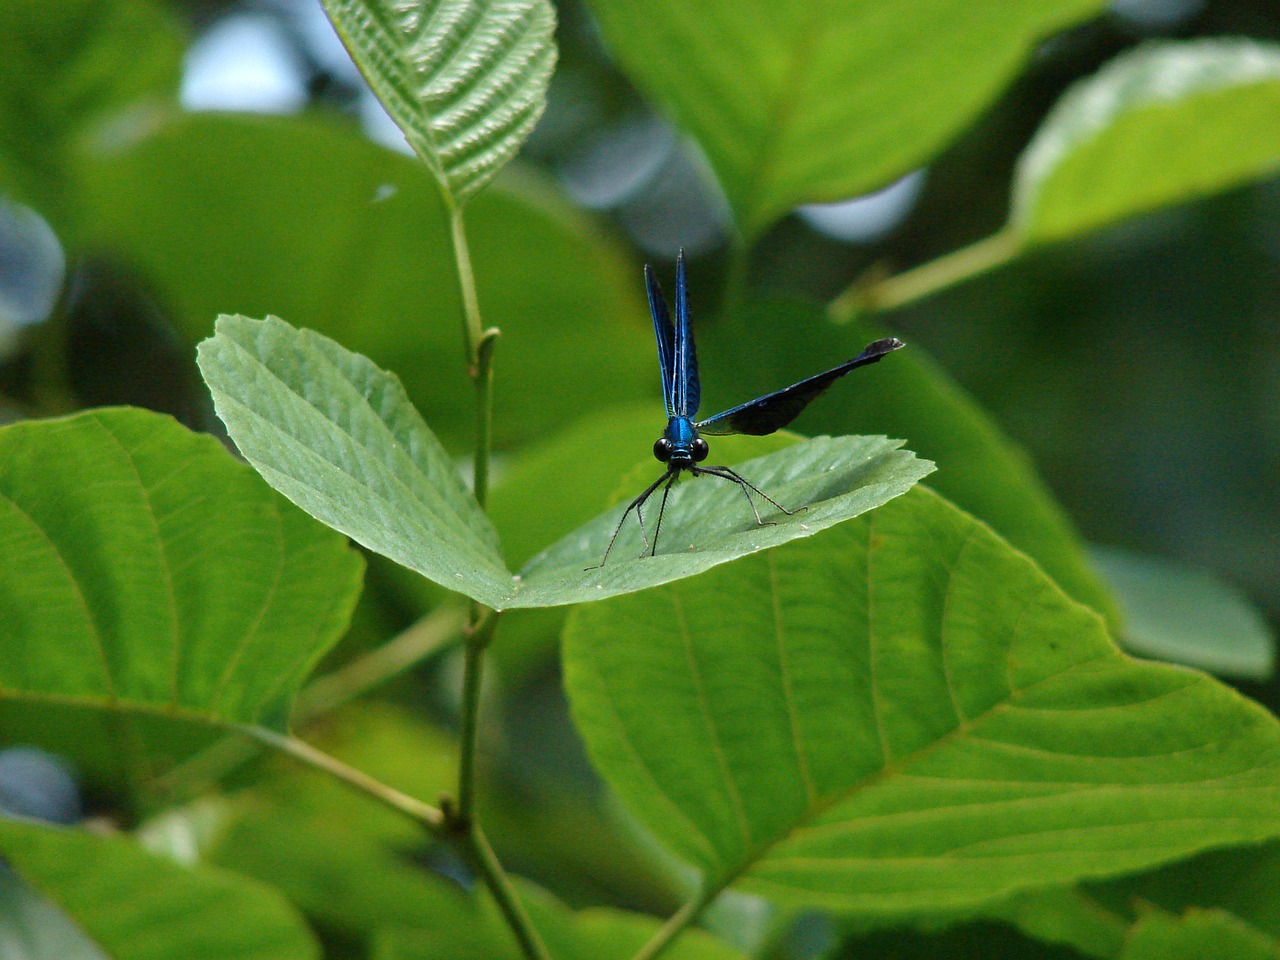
x=662, y=449
x=700, y=449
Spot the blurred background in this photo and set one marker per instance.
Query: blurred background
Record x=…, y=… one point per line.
x=237, y=163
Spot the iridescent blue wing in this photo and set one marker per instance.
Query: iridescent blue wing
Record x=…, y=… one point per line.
x=775, y=410
x=688, y=388
x=664, y=333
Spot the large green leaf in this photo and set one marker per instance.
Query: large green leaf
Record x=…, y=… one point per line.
x=980, y=469
x=1184, y=615
x=65, y=66
x=796, y=102
x=138, y=906
x=906, y=714
x=466, y=80
x=306, y=219
x=1165, y=123
x=145, y=569
x=337, y=436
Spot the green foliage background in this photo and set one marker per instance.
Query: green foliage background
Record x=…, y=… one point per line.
x=897, y=738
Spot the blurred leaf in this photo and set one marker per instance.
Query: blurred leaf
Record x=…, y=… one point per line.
x=137, y=906
x=798, y=103
x=339, y=437
x=1164, y=123
x=775, y=342
x=594, y=934
x=146, y=569
x=1199, y=935
x=906, y=714
x=31, y=928
x=65, y=66
x=466, y=80
x=307, y=220
x=1184, y=615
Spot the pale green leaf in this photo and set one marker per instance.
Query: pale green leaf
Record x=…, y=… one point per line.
x=137, y=906
x=1198, y=935
x=337, y=436
x=1186, y=615
x=146, y=569
x=907, y=714
x=797, y=102
x=465, y=80
x=1165, y=123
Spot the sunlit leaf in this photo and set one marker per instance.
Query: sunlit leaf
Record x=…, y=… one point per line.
x=1184, y=615
x=337, y=436
x=796, y=102
x=906, y=714
x=146, y=569
x=1165, y=123
x=137, y=906
x=466, y=80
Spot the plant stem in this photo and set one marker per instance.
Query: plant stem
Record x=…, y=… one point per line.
x=485, y=862
x=926, y=279
x=432, y=634
x=427, y=815
x=675, y=925
x=478, y=638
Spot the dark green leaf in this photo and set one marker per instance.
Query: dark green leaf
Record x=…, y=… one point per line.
x=1199, y=935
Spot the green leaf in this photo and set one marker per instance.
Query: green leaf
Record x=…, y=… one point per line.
x=137, y=906
x=795, y=102
x=1185, y=615
x=1165, y=123
x=64, y=68
x=339, y=438
x=304, y=218
x=466, y=80
x=1199, y=935
x=31, y=928
x=980, y=469
x=146, y=569
x=906, y=714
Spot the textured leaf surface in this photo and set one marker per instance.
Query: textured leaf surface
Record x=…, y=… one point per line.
x=1184, y=615
x=145, y=568
x=337, y=436
x=1165, y=123
x=466, y=80
x=137, y=906
x=906, y=714
x=797, y=102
